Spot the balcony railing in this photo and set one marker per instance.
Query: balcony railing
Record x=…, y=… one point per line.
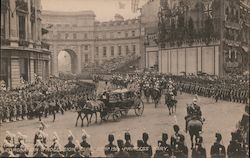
x=44, y=45
x=5, y=42
x=23, y=43
x=22, y=5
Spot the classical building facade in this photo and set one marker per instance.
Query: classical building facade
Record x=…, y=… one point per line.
x=88, y=41
x=23, y=53
x=201, y=36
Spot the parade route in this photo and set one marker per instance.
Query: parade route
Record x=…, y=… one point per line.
x=220, y=117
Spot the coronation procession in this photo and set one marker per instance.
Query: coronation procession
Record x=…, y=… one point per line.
x=124, y=78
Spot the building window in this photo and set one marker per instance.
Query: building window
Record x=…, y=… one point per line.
x=112, y=51
x=96, y=51
x=58, y=35
x=86, y=58
x=74, y=25
x=119, y=34
x=66, y=36
x=85, y=36
x=22, y=27
x=134, y=49
x=111, y=35
x=127, y=50
x=104, y=36
x=133, y=33
x=86, y=47
x=119, y=50
x=36, y=66
x=74, y=36
x=104, y=51
x=126, y=34
x=3, y=25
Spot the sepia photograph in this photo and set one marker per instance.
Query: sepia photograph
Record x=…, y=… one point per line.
x=125, y=78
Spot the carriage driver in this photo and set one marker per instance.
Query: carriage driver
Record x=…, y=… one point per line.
x=193, y=112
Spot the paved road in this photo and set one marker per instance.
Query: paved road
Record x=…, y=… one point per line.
x=220, y=117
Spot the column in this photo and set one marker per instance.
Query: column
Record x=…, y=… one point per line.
x=15, y=72
x=79, y=58
x=160, y=59
x=32, y=70
x=13, y=25
x=28, y=26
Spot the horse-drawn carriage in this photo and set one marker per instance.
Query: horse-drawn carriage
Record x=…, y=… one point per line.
x=120, y=101
x=114, y=104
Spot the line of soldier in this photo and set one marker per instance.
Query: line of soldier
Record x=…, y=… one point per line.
x=42, y=98
x=175, y=148
x=229, y=88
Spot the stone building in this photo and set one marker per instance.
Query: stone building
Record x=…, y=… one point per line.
x=23, y=53
x=210, y=36
x=88, y=41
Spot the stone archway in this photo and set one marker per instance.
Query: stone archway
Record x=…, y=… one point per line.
x=63, y=65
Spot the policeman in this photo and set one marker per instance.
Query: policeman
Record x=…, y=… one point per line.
x=180, y=150
x=217, y=149
x=121, y=152
x=110, y=149
x=86, y=148
x=147, y=149
x=199, y=151
x=70, y=146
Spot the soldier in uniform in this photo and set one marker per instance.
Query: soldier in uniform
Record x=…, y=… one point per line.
x=39, y=150
x=110, y=149
x=86, y=148
x=218, y=150
x=121, y=152
x=147, y=149
x=21, y=147
x=128, y=146
x=234, y=149
x=40, y=133
x=70, y=146
x=199, y=151
x=180, y=150
x=77, y=150
x=176, y=137
x=8, y=145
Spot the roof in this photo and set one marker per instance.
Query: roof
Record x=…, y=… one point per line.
x=60, y=13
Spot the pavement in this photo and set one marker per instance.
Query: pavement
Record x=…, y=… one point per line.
x=220, y=117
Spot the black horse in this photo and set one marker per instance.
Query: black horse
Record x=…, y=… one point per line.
x=171, y=103
x=156, y=96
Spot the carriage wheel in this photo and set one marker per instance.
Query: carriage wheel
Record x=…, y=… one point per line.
x=117, y=116
x=124, y=112
x=139, y=108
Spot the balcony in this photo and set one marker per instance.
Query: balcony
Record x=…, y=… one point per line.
x=21, y=5
x=44, y=45
x=23, y=42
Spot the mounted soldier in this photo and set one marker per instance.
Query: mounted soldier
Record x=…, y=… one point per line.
x=193, y=112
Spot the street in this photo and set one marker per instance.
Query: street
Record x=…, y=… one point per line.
x=220, y=117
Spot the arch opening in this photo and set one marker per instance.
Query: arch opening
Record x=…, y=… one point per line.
x=67, y=62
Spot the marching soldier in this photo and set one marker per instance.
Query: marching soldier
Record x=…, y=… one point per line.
x=217, y=149
x=70, y=146
x=110, y=149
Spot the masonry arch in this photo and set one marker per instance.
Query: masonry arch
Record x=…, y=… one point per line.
x=67, y=61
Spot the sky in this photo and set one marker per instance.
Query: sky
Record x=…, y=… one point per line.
x=104, y=9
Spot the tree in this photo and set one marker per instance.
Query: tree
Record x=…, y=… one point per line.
x=190, y=31
x=208, y=30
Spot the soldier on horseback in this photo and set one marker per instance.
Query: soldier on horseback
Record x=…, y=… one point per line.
x=193, y=112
